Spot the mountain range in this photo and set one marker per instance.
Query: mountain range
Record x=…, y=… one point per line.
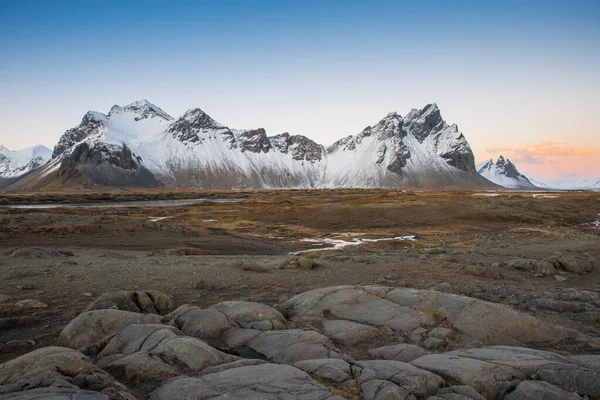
x=141, y=145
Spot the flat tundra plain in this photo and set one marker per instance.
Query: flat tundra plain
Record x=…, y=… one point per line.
x=525, y=250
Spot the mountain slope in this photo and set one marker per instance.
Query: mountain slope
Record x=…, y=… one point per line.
x=504, y=173
x=16, y=163
x=141, y=145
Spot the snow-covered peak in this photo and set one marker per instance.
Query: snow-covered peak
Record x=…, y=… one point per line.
x=28, y=153
x=504, y=173
x=143, y=109
x=14, y=163
x=194, y=122
x=198, y=117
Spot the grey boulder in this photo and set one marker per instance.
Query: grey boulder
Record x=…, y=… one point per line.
x=537, y=390
x=252, y=315
x=151, y=354
x=206, y=324
x=54, y=393
x=403, y=309
x=399, y=352
x=57, y=366
x=348, y=333
x=358, y=304
x=490, y=380
x=415, y=381
x=579, y=374
x=378, y=389
x=464, y=391
x=284, y=347
x=148, y=301
x=330, y=369
x=257, y=382
x=93, y=328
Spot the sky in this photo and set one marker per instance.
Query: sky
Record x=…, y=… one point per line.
x=520, y=78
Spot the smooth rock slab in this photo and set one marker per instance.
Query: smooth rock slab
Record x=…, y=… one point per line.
x=284, y=347
x=53, y=393
x=266, y=381
x=252, y=315
x=348, y=333
x=490, y=380
x=331, y=369
x=150, y=354
x=94, y=328
x=534, y=390
x=489, y=322
x=462, y=390
x=579, y=374
x=416, y=381
x=378, y=389
x=206, y=324
x=355, y=303
x=57, y=366
x=148, y=301
x=404, y=309
x=399, y=352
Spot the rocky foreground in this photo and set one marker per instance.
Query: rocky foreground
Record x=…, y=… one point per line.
x=371, y=342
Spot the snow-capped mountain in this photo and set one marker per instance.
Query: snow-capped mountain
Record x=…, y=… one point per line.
x=140, y=144
x=504, y=173
x=16, y=163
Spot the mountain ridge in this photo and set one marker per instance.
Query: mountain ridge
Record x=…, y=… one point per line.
x=141, y=145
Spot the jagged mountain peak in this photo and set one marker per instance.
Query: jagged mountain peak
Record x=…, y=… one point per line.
x=187, y=127
x=143, y=108
x=507, y=166
x=504, y=173
x=424, y=122
x=200, y=118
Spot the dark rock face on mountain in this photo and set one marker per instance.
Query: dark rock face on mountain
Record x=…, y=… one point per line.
x=140, y=144
x=504, y=173
x=255, y=141
x=106, y=165
x=90, y=124
x=300, y=147
x=185, y=128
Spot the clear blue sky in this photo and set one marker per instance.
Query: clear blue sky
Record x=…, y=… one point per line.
x=512, y=74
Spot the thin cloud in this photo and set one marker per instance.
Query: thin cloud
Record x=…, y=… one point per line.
x=542, y=152
x=545, y=148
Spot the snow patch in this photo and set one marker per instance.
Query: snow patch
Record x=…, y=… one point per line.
x=156, y=219
x=338, y=244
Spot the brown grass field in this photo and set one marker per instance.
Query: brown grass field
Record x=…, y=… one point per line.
x=206, y=252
